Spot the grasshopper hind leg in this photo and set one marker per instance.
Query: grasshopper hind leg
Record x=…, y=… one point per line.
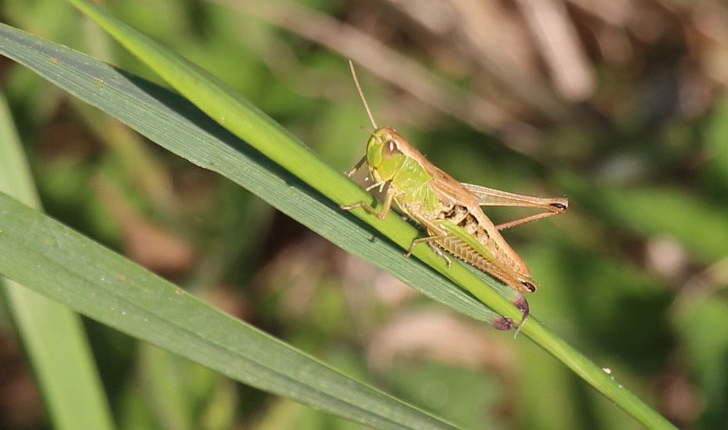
x=431, y=241
x=499, y=322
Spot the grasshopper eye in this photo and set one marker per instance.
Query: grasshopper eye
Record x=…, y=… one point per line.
x=390, y=148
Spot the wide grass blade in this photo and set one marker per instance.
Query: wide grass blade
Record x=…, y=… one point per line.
x=55, y=261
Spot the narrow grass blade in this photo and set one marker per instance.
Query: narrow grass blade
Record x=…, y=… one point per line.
x=258, y=130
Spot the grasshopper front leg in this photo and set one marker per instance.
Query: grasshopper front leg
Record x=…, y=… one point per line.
x=356, y=167
x=386, y=207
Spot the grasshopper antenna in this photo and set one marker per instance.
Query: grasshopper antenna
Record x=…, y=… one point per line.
x=361, y=94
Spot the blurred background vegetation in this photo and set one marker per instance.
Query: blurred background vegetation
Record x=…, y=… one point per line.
x=618, y=105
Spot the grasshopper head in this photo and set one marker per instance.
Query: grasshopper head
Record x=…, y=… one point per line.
x=384, y=154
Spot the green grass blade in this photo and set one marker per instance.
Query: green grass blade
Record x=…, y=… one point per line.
x=193, y=330
x=52, y=334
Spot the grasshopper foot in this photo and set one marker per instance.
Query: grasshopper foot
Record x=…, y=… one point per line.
x=502, y=323
x=439, y=253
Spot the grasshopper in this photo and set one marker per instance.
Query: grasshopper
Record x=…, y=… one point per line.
x=448, y=210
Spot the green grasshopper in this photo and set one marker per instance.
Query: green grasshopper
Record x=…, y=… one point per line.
x=448, y=210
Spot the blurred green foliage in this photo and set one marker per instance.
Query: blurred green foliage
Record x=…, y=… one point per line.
x=634, y=274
